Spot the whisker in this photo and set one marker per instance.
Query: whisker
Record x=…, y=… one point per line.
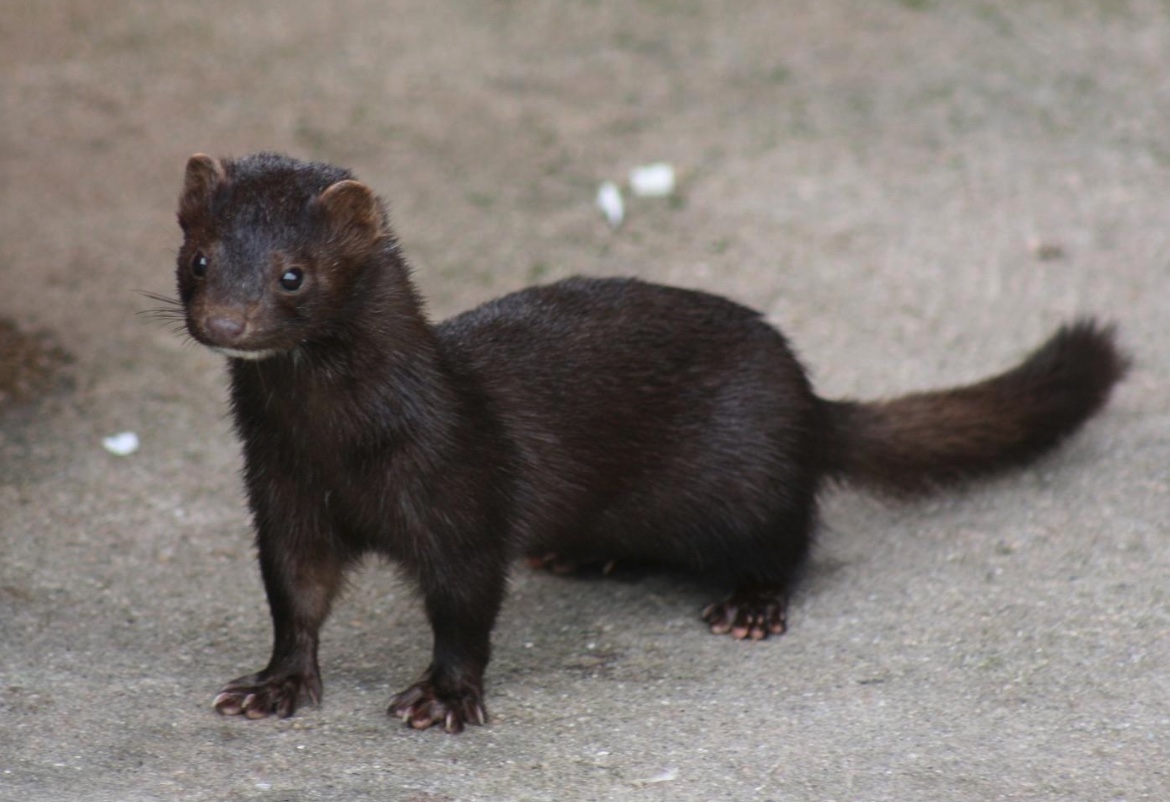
x=163, y=299
x=172, y=321
x=170, y=312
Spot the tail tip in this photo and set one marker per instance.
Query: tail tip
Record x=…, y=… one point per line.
x=1089, y=348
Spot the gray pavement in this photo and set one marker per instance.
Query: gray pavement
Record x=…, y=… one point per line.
x=917, y=192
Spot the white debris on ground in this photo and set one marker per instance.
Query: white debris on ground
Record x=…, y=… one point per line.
x=609, y=200
x=656, y=180
x=666, y=776
x=122, y=444
x=652, y=180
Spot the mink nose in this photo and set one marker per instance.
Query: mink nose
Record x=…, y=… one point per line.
x=224, y=327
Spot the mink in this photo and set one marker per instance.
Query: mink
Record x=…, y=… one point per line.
x=584, y=421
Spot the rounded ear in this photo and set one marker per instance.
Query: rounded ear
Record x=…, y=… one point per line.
x=353, y=213
x=204, y=175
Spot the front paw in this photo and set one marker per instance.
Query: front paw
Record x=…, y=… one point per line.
x=423, y=705
x=267, y=693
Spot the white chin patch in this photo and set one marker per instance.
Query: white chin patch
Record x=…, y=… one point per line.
x=255, y=356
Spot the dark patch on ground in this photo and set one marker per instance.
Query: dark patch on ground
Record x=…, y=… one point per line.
x=31, y=365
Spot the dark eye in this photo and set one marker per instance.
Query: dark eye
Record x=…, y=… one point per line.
x=292, y=279
x=199, y=265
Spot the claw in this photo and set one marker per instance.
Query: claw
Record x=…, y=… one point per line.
x=261, y=695
x=422, y=705
x=747, y=615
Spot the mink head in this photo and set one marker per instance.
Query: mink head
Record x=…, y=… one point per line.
x=275, y=251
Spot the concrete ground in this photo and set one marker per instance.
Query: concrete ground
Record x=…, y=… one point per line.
x=916, y=191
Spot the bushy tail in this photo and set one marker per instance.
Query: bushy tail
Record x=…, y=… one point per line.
x=912, y=444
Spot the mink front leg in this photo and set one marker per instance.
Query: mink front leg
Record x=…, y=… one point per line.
x=462, y=611
x=301, y=583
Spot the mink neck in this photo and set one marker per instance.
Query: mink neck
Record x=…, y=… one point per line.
x=378, y=324
x=378, y=366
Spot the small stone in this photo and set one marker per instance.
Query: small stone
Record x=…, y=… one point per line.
x=1045, y=250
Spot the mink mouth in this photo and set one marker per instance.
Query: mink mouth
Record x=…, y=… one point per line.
x=238, y=350
x=254, y=355
x=233, y=335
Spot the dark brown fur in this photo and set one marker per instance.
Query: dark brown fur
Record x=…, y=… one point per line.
x=585, y=421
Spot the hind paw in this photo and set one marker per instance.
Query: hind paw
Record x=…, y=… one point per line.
x=753, y=614
x=555, y=563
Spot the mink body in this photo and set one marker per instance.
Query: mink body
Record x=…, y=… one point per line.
x=580, y=422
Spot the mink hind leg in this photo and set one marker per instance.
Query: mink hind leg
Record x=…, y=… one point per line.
x=763, y=569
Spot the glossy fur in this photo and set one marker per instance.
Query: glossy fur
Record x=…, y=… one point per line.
x=585, y=421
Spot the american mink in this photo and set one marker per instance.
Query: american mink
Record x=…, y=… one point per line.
x=584, y=421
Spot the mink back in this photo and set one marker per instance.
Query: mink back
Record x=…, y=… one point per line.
x=647, y=419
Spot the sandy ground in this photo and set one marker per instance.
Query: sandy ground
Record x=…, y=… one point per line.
x=917, y=191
